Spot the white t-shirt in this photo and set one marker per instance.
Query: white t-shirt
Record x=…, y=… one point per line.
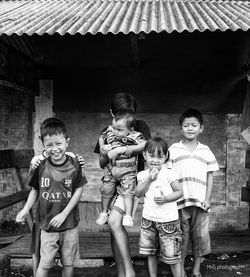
x=152, y=211
x=192, y=168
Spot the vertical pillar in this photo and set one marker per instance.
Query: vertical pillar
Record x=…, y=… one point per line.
x=43, y=110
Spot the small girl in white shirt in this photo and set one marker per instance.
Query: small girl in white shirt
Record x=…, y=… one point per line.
x=160, y=227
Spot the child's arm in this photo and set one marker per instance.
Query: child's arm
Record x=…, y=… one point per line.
x=135, y=149
x=142, y=187
x=58, y=220
x=28, y=205
x=37, y=159
x=111, y=155
x=176, y=194
x=138, y=147
x=101, y=143
x=207, y=203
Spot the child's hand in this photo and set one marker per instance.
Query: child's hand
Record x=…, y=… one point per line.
x=128, y=152
x=36, y=161
x=160, y=200
x=57, y=221
x=206, y=205
x=81, y=160
x=20, y=218
x=110, y=137
x=104, y=149
x=153, y=174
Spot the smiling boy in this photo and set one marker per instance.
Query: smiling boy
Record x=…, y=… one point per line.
x=57, y=184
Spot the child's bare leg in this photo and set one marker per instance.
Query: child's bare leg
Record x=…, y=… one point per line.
x=127, y=219
x=128, y=202
x=105, y=204
x=103, y=216
x=41, y=272
x=176, y=269
x=35, y=263
x=197, y=265
x=68, y=271
x=182, y=266
x=121, y=239
x=152, y=265
x=117, y=257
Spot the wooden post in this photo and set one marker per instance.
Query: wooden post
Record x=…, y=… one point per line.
x=44, y=109
x=248, y=182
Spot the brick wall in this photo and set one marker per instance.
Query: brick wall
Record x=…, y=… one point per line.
x=14, y=134
x=14, y=119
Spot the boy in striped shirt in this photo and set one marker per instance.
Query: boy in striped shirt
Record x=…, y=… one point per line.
x=194, y=163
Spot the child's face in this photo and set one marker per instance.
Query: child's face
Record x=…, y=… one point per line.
x=154, y=160
x=120, y=127
x=55, y=147
x=191, y=128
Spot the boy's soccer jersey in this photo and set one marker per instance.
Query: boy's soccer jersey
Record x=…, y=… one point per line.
x=192, y=168
x=56, y=184
x=152, y=211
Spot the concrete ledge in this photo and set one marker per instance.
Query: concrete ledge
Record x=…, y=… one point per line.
x=27, y=263
x=89, y=263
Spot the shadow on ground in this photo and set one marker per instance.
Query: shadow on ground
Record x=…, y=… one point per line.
x=223, y=265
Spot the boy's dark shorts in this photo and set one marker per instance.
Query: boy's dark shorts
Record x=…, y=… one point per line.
x=163, y=238
x=195, y=223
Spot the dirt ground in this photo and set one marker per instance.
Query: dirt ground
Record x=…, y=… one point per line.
x=223, y=265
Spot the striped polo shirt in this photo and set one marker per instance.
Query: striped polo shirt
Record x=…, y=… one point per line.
x=192, y=168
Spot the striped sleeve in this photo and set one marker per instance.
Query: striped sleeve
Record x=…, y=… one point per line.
x=212, y=164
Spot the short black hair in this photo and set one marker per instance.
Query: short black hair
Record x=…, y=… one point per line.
x=129, y=117
x=52, y=126
x=123, y=102
x=191, y=113
x=157, y=144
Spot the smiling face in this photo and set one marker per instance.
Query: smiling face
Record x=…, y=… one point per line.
x=191, y=128
x=55, y=147
x=154, y=160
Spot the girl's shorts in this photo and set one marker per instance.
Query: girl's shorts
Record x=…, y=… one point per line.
x=161, y=238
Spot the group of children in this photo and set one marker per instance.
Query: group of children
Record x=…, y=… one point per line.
x=176, y=185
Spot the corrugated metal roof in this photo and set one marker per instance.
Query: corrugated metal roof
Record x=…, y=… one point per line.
x=121, y=16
